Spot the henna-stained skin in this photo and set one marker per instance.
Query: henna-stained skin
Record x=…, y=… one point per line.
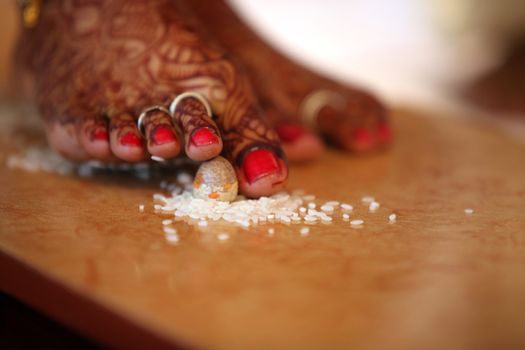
x=96, y=59
x=282, y=85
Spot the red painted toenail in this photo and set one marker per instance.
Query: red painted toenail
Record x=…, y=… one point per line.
x=163, y=134
x=362, y=136
x=384, y=132
x=290, y=132
x=259, y=163
x=203, y=137
x=130, y=139
x=99, y=135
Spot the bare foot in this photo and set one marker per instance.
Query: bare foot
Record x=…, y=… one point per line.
x=98, y=65
x=289, y=93
x=501, y=90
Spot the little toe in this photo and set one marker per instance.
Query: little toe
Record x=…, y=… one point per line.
x=299, y=143
x=62, y=137
x=124, y=137
x=161, y=135
x=93, y=136
x=201, y=135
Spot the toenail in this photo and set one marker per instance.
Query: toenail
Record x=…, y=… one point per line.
x=362, y=136
x=130, y=139
x=384, y=132
x=163, y=134
x=99, y=135
x=259, y=163
x=203, y=137
x=290, y=132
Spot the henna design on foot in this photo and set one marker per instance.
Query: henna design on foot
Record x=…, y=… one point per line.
x=98, y=64
x=282, y=85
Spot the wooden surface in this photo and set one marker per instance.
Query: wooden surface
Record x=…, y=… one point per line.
x=437, y=279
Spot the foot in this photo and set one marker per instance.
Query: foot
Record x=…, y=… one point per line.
x=501, y=90
x=352, y=119
x=98, y=65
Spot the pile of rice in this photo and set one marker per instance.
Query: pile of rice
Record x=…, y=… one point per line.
x=285, y=208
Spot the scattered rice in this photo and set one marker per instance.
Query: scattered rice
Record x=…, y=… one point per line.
x=158, y=159
x=286, y=219
x=245, y=212
x=223, y=236
x=347, y=207
x=326, y=207
x=172, y=238
x=392, y=217
x=184, y=178
x=304, y=231
x=357, y=222
x=367, y=199
x=282, y=207
x=469, y=211
x=170, y=230
x=374, y=206
x=310, y=218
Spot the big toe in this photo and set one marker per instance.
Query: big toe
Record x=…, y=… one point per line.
x=261, y=171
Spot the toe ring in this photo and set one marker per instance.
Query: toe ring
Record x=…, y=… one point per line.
x=315, y=101
x=190, y=94
x=144, y=114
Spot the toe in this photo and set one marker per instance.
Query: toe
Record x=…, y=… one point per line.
x=253, y=147
x=201, y=135
x=124, y=137
x=384, y=133
x=299, y=143
x=361, y=127
x=94, y=138
x=262, y=171
x=161, y=135
x=62, y=137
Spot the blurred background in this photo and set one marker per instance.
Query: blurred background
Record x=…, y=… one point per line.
x=429, y=53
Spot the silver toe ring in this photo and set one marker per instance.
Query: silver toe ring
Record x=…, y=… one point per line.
x=196, y=95
x=315, y=101
x=142, y=117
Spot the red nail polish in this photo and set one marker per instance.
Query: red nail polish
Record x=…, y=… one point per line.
x=203, y=137
x=130, y=139
x=384, y=132
x=362, y=136
x=99, y=135
x=259, y=163
x=290, y=132
x=163, y=134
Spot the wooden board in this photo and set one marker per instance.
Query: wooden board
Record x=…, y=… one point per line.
x=79, y=250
